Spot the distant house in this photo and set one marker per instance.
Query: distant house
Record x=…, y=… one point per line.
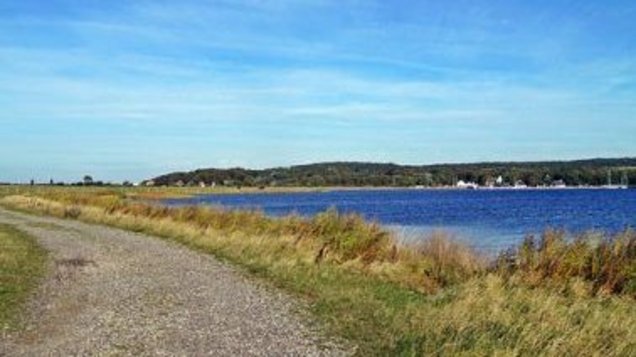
x=520, y=184
x=499, y=181
x=149, y=183
x=201, y=184
x=558, y=184
x=468, y=185
x=179, y=183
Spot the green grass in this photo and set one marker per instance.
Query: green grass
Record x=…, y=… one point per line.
x=548, y=297
x=485, y=315
x=22, y=263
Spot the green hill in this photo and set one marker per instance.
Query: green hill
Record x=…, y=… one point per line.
x=580, y=172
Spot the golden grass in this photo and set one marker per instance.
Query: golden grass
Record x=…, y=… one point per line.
x=608, y=264
x=437, y=297
x=329, y=238
x=146, y=193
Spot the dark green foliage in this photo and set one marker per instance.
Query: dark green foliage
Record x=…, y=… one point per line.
x=582, y=172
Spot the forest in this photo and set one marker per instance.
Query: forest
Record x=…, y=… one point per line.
x=593, y=172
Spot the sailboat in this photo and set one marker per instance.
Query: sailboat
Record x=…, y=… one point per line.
x=623, y=185
x=624, y=181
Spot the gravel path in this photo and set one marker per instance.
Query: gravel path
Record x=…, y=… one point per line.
x=113, y=292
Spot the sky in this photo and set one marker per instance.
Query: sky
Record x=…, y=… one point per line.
x=127, y=90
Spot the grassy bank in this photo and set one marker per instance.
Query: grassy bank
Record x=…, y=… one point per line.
x=549, y=296
x=22, y=263
x=158, y=192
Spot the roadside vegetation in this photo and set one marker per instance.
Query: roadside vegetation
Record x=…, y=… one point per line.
x=550, y=295
x=22, y=264
x=145, y=192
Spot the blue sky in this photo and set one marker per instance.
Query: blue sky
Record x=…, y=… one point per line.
x=132, y=89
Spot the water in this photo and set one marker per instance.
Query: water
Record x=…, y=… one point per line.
x=487, y=219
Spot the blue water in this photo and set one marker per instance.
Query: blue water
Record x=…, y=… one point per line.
x=487, y=219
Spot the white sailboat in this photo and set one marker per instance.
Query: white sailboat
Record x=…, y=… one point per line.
x=625, y=181
x=623, y=185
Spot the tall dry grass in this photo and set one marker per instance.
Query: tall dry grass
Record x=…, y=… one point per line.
x=452, y=261
x=437, y=297
x=607, y=264
x=330, y=237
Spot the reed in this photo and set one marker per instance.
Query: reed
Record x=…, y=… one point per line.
x=328, y=238
x=608, y=264
x=548, y=296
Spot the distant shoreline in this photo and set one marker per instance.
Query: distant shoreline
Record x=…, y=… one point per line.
x=300, y=189
x=176, y=192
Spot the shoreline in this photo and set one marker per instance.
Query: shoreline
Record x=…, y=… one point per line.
x=296, y=189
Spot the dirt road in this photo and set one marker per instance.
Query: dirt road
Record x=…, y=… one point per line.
x=113, y=292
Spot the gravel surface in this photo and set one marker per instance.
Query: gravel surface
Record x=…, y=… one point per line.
x=113, y=292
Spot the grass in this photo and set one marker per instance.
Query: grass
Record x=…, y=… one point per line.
x=549, y=296
x=607, y=263
x=22, y=263
x=156, y=192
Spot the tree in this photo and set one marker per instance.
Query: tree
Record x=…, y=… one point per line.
x=589, y=172
x=88, y=180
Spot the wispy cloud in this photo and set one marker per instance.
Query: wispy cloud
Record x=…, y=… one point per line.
x=287, y=81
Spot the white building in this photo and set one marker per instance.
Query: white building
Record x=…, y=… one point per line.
x=467, y=185
x=520, y=184
x=558, y=184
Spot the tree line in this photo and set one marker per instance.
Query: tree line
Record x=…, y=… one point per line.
x=592, y=172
